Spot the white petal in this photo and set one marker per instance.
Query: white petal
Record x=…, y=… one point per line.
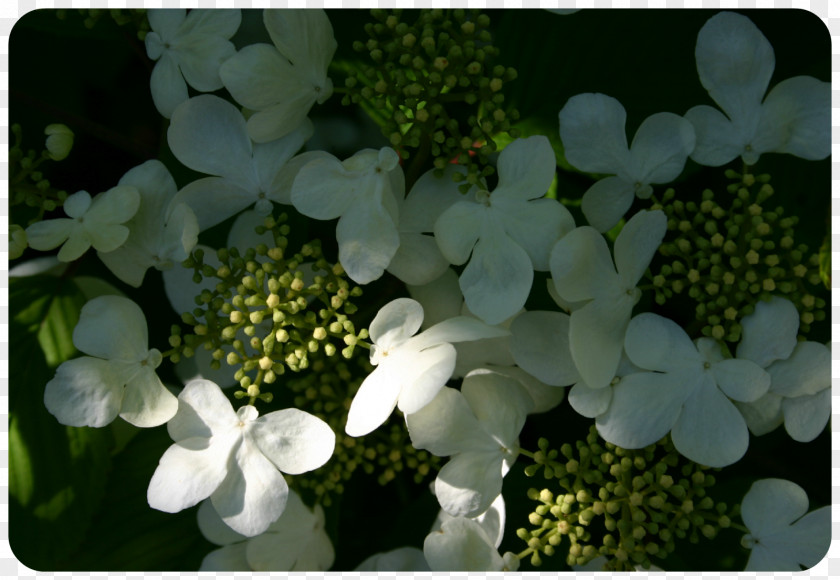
x=581, y=265
x=441, y=298
x=79, y=242
x=718, y=141
x=589, y=402
x=367, y=241
x=661, y=146
x=166, y=22
x=499, y=403
x=76, y=205
x=203, y=411
x=807, y=416
x=596, y=338
x=279, y=120
x=226, y=559
x=526, y=169
x=592, y=130
x=271, y=157
x=656, y=343
x=147, y=403
x=418, y=260
x=498, y=279
x=305, y=37
x=407, y=559
x=396, y=322
x=49, y=234
x=735, y=62
x=742, y=380
x=429, y=198
x=169, y=89
x=200, y=58
x=313, y=191
x=545, y=397
x=458, y=329
x=637, y=243
x=469, y=482
x=253, y=494
x=461, y=544
x=375, y=400
x=222, y=23
x=772, y=504
x=806, y=372
x=213, y=528
x=457, y=230
x=281, y=185
x=769, y=333
x=214, y=199
x=606, y=202
x=258, y=77
x=764, y=415
x=116, y=206
x=84, y=392
x=796, y=119
x=447, y=426
x=295, y=441
x=535, y=226
x=710, y=430
x=112, y=327
x=424, y=374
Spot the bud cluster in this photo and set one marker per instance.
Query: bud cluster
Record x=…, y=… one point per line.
x=270, y=310
x=120, y=16
x=433, y=88
x=27, y=184
x=727, y=256
x=627, y=506
x=326, y=392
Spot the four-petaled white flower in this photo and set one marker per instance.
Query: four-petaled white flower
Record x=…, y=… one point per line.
x=188, y=46
x=235, y=458
x=735, y=63
x=96, y=222
x=296, y=542
x=783, y=536
x=509, y=232
x=594, y=140
x=282, y=82
x=582, y=270
x=362, y=192
x=118, y=378
x=162, y=232
x=479, y=427
x=410, y=370
x=688, y=393
x=208, y=134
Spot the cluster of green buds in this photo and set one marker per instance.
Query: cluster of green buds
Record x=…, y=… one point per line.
x=270, y=310
x=626, y=506
x=725, y=256
x=120, y=16
x=430, y=74
x=326, y=391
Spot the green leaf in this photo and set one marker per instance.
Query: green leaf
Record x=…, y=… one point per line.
x=57, y=474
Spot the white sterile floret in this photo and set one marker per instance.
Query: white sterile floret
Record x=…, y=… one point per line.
x=410, y=370
x=189, y=46
x=296, y=542
x=783, y=535
x=593, y=135
x=800, y=373
x=369, y=182
x=687, y=394
x=118, y=378
x=479, y=427
x=492, y=520
x=208, y=134
x=163, y=232
x=462, y=545
x=582, y=270
x=282, y=82
x=96, y=222
x=506, y=234
x=735, y=63
x=235, y=458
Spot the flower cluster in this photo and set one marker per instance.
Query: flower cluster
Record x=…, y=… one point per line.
x=408, y=312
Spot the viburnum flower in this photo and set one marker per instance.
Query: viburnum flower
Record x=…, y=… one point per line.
x=370, y=183
x=593, y=135
x=783, y=536
x=162, y=233
x=410, y=370
x=118, y=378
x=188, y=46
x=96, y=222
x=296, y=542
x=208, y=134
x=582, y=270
x=235, y=458
x=687, y=394
x=506, y=234
x=800, y=373
x=462, y=545
x=735, y=63
x=479, y=427
x=282, y=82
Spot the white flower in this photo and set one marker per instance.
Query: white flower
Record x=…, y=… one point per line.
x=593, y=134
x=800, y=373
x=208, y=134
x=188, y=46
x=462, y=545
x=370, y=183
x=582, y=270
x=479, y=427
x=283, y=81
x=162, y=233
x=735, y=63
x=59, y=141
x=235, y=458
x=296, y=542
x=410, y=370
x=93, y=222
x=118, y=378
x=783, y=538
x=687, y=394
x=509, y=232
